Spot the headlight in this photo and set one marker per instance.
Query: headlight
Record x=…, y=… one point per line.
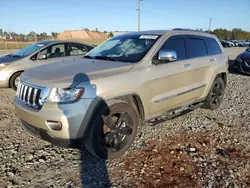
x=3, y=65
x=238, y=59
x=65, y=95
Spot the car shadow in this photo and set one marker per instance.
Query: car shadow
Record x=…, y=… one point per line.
x=93, y=170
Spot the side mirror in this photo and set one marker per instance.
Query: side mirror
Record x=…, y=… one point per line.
x=42, y=56
x=248, y=50
x=167, y=56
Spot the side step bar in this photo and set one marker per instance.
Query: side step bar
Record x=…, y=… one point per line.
x=174, y=113
x=182, y=110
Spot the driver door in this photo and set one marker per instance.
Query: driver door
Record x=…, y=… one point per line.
x=51, y=54
x=170, y=81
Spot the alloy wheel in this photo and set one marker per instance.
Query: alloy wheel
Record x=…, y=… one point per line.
x=17, y=81
x=217, y=94
x=117, y=131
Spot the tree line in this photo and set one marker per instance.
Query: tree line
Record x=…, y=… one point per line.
x=29, y=37
x=33, y=36
x=222, y=34
x=234, y=34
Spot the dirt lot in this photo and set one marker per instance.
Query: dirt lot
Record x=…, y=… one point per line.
x=201, y=149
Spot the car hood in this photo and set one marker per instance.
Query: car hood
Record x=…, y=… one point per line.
x=245, y=56
x=70, y=73
x=8, y=59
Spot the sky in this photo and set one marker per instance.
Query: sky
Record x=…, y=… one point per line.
x=23, y=16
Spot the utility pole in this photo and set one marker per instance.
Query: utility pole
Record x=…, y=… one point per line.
x=209, y=24
x=139, y=14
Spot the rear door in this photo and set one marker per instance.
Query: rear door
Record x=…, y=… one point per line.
x=215, y=50
x=76, y=50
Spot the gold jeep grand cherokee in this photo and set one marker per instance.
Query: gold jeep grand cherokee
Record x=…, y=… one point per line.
x=99, y=101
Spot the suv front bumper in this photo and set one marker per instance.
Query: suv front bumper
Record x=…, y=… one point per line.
x=243, y=67
x=45, y=135
x=72, y=116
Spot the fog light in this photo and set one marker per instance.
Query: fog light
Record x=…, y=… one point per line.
x=54, y=125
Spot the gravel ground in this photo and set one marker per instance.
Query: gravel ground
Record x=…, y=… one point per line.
x=200, y=149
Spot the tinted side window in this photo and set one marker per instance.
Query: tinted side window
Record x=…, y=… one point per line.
x=57, y=50
x=76, y=49
x=176, y=44
x=196, y=48
x=213, y=47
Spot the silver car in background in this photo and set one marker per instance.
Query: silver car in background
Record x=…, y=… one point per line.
x=40, y=53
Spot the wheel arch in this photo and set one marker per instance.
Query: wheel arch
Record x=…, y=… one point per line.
x=131, y=98
x=20, y=71
x=223, y=75
x=135, y=101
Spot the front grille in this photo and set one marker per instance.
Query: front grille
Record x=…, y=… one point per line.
x=29, y=95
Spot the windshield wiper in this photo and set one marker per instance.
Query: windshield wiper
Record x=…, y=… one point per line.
x=105, y=58
x=87, y=56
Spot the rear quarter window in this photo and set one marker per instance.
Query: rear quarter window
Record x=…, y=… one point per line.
x=196, y=47
x=213, y=47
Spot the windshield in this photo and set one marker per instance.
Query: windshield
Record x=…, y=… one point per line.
x=125, y=48
x=27, y=50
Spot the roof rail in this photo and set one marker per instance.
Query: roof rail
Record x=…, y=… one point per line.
x=182, y=29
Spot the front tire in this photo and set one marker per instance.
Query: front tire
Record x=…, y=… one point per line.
x=14, y=80
x=215, y=95
x=113, y=130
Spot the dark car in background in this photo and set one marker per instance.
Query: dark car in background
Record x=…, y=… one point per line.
x=242, y=62
x=236, y=43
x=248, y=42
x=226, y=44
x=243, y=43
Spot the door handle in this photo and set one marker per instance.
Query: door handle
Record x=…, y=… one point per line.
x=187, y=65
x=211, y=60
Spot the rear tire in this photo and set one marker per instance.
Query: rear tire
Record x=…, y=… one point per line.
x=99, y=142
x=215, y=95
x=14, y=80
